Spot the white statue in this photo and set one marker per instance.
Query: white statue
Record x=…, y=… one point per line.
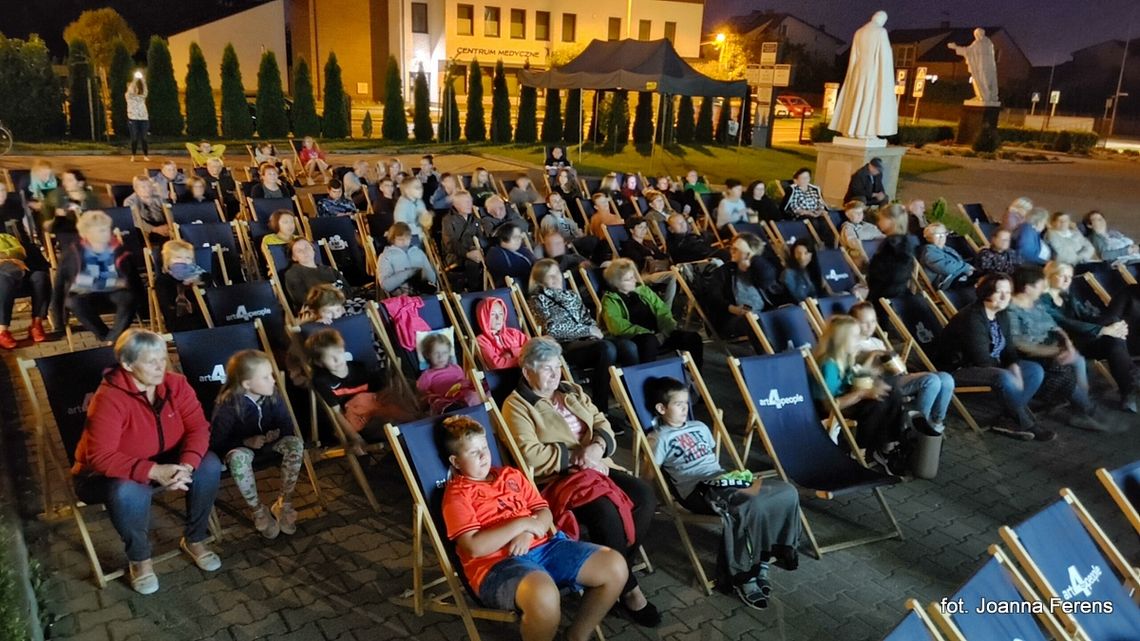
x=979, y=56
x=866, y=108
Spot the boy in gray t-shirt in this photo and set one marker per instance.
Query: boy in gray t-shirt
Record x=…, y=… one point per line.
x=761, y=516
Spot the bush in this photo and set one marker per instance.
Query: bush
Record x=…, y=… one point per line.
x=552, y=120
x=643, y=119
x=704, y=131
x=271, y=119
x=526, y=129
x=162, y=97
x=500, y=106
x=236, y=122
x=201, y=116
x=336, y=121
x=686, y=121
x=118, y=77
x=1077, y=142
x=572, y=123
x=820, y=133
x=919, y=135
x=305, y=119
x=722, y=120
x=35, y=111
x=988, y=140
x=421, y=106
x=475, y=129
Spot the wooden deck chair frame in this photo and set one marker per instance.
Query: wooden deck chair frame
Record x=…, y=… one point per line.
x=784, y=248
x=252, y=212
x=912, y=605
x=765, y=342
x=48, y=459
x=1131, y=513
x=856, y=273
x=1044, y=619
x=468, y=333
x=818, y=322
x=1129, y=574
x=168, y=211
x=424, y=597
x=362, y=238
x=642, y=450
x=693, y=304
x=912, y=346
x=756, y=427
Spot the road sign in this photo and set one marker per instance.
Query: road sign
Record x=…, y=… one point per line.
x=752, y=74
x=1054, y=97
x=919, y=82
x=830, y=94
x=900, y=82
x=782, y=75
x=1036, y=97
x=768, y=52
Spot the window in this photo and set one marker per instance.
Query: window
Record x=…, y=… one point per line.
x=671, y=31
x=542, y=25
x=615, y=29
x=465, y=20
x=419, y=17
x=904, y=56
x=643, y=27
x=569, y=27
x=491, y=22
x=518, y=23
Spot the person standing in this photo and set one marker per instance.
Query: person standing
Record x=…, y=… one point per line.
x=138, y=120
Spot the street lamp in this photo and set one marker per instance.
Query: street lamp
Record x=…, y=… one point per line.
x=719, y=41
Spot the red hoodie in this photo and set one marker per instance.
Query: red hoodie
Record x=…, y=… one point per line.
x=501, y=350
x=124, y=433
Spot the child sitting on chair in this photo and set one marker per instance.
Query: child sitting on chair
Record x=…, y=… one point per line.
x=324, y=304
x=444, y=385
x=174, y=287
x=499, y=345
x=252, y=421
x=502, y=527
x=761, y=516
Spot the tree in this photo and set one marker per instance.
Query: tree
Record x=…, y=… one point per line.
x=552, y=119
x=617, y=133
x=663, y=132
x=35, y=111
x=722, y=120
x=118, y=76
x=686, y=125
x=335, y=122
x=395, y=125
x=596, y=129
x=475, y=129
x=305, y=119
x=102, y=29
x=162, y=92
x=83, y=94
x=449, y=119
x=572, y=127
x=643, y=119
x=500, y=107
x=236, y=122
x=526, y=129
x=421, y=107
x=704, y=131
x=201, y=116
x=366, y=125
x=271, y=119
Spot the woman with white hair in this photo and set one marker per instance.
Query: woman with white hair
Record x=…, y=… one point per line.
x=93, y=272
x=146, y=433
x=566, y=439
x=944, y=265
x=1016, y=213
x=1069, y=245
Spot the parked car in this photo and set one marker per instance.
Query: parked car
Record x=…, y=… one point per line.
x=789, y=106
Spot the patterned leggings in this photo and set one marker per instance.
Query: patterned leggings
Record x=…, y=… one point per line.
x=240, y=463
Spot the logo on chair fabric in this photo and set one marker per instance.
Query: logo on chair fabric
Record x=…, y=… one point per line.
x=1081, y=584
x=922, y=334
x=242, y=314
x=336, y=243
x=216, y=375
x=836, y=276
x=82, y=407
x=775, y=400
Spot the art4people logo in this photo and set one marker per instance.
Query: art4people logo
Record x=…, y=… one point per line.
x=245, y=315
x=216, y=375
x=923, y=334
x=1081, y=584
x=82, y=407
x=779, y=402
x=835, y=276
x=336, y=243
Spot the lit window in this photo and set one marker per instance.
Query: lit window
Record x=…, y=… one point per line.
x=465, y=20
x=542, y=25
x=518, y=23
x=491, y=22
x=569, y=27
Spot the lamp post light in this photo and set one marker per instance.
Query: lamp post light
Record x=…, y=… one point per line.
x=719, y=41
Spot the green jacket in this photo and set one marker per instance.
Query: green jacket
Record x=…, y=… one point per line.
x=11, y=249
x=616, y=315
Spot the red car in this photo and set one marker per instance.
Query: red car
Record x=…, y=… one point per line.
x=789, y=106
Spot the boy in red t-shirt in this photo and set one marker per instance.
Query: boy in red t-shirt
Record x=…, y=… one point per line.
x=502, y=529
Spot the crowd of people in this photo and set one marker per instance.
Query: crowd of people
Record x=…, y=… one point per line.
x=1027, y=334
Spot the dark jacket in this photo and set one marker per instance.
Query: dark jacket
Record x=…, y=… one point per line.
x=71, y=262
x=888, y=272
x=502, y=263
x=863, y=185
x=800, y=284
x=642, y=253
x=237, y=418
x=1078, y=318
x=300, y=279
x=258, y=190
x=1028, y=243
x=721, y=291
x=965, y=341
x=686, y=248
x=166, y=291
x=458, y=234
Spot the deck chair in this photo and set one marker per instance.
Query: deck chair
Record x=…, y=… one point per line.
x=595, y=285
x=69, y=381
x=778, y=396
x=918, y=323
x=616, y=236
x=629, y=385
x=840, y=276
x=1123, y=485
x=123, y=220
x=974, y=212
x=997, y=581
x=495, y=386
x=261, y=209
x=243, y=303
x=462, y=312
x=870, y=247
x=194, y=213
x=820, y=310
x=689, y=290
x=787, y=232
x=118, y=192
x=915, y=626
x=983, y=231
x=536, y=212
x=954, y=299
x=784, y=328
x=345, y=237
x=1067, y=556
x=1104, y=279
x=435, y=313
x=220, y=237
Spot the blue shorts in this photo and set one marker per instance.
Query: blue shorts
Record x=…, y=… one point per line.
x=560, y=557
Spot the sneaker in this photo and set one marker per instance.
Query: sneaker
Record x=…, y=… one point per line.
x=36, y=331
x=1042, y=435
x=264, y=522
x=647, y=617
x=286, y=516
x=7, y=341
x=1017, y=432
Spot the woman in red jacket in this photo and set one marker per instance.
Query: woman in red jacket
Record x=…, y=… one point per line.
x=146, y=433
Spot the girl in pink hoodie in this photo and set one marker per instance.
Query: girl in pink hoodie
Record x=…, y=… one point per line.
x=499, y=345
x=444, y=384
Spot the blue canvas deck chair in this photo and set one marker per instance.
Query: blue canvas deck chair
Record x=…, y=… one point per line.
x=616, y=237
x=1104, y=279
x=778, y=396
x=1123, y=485
x=69, y=381
x=787, y=232
x=348, y=240
x=918, y=323
x=630, y=388
x=463, y=313
x=915, y=626
x=416, y=448
x=820, y=310
x=194, y=213
x=1067, y=556
x=974, y=212
x=999, y=582
x=123, y=221
x=782, y=329
x=840, y=276
x=260, y=209
x=437, y=315
x=243, y=303
x=219, y=237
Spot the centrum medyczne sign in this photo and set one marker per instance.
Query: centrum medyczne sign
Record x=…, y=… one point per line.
x=489, y=53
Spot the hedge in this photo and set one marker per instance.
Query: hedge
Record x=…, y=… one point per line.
x=1078, y=142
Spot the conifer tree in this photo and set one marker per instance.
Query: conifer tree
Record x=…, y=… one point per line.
x=572, y=127
x=236, y=121
x=305, y=119
x=201, y=116
x=500, y=107
x=643, y=119
x=162, y=92
x=271, y=119
x=552, y=120
x=475, y=129
x=422, y=107
x=703, y=133
x=526, y=129
x=119, y=76
x=335, y=122
x=686, y=121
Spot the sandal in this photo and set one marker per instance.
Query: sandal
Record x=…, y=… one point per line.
x=206, y=560
x=145, y=583
x=751, y=594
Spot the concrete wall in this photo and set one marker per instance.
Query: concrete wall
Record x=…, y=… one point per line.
x=251, y=32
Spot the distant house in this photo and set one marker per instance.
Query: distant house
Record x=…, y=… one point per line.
x=915, y=48
x=1090, y=77
x=770, y=26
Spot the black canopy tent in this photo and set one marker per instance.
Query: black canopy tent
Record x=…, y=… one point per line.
x=634, y=65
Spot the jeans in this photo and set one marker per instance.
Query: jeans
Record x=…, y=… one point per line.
x=139, y=129
x=664, y=284
x=931, y=392
x=84, y=306
x=603, y=525
x=11, y=280
x=1015, y=396
x=128, y=504
x=598, y=355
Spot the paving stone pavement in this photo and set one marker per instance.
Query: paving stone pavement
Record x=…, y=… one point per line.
x=334, y=579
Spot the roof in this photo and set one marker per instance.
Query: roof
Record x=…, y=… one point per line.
x=932, y=42
x=636, y=65
x=764, y=20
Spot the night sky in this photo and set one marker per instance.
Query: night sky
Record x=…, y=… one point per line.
x=1046, y=30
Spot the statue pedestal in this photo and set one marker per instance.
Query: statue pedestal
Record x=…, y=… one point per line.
x=976, y=116
x=834, y=165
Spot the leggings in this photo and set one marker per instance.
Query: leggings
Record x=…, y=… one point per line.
x=139, y=129
x=240, y=463
x=602, y=522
